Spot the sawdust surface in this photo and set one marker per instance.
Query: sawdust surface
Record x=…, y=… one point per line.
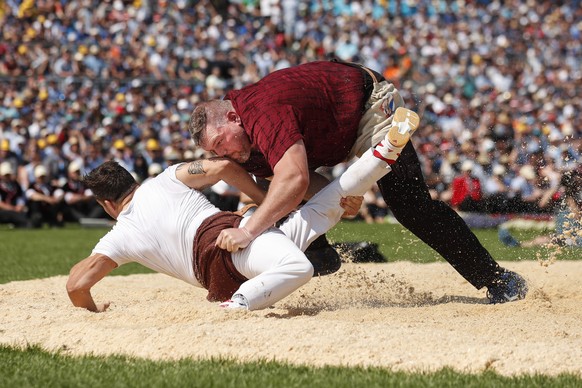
x=402, y=316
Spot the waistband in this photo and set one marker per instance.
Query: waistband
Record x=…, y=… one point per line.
x=370, y=76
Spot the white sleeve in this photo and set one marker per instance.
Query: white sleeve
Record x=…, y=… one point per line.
x=112, y=245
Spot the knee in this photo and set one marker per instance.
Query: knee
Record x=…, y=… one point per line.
x=303, y=269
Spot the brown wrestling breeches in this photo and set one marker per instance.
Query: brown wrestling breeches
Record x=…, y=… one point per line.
x=213, y=267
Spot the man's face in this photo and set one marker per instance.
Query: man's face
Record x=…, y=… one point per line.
x=75, y=175
x=229, y=140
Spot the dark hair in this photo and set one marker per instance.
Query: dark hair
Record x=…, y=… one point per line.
x=110, y=182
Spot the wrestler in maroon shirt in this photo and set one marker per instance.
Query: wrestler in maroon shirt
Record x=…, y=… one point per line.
x=297, y=119
x=321, y=105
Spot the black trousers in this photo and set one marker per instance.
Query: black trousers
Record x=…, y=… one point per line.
x=434, y=222
x=19, y=219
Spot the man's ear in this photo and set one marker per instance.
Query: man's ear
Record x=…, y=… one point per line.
x=110, y=208
x=232, y=116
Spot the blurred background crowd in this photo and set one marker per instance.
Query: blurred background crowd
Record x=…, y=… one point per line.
x=498, y=85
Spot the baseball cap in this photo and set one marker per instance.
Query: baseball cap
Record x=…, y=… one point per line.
x=74, y=166
x=154, y=169
x=119, y=144
x=467, y=165
x=52, y=139
x=152, y=145
x=6, y=169
x=39, y=171
x=43, y=94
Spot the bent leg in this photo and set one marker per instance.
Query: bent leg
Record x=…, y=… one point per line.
x=323, y=210
x=435, y=223
x=274, y=266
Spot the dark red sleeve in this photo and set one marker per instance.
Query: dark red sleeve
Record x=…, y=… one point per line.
x=275, y=132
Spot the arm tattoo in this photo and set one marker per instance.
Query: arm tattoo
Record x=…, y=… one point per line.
x=195, y=168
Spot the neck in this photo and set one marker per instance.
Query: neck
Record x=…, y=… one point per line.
x=127, y=199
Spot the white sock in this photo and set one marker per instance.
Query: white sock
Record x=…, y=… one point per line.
x=362, y=174
x=387, y=152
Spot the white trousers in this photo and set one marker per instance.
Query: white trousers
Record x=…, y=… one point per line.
x=274, y=262
x=377, y=119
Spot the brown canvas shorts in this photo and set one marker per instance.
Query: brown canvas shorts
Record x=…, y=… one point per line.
x=213, y=267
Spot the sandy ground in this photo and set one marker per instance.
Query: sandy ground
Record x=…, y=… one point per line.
x=401, y=316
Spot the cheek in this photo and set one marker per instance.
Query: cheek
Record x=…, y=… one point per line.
x=244, y=143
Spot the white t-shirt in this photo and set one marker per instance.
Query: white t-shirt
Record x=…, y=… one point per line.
x=158, y=227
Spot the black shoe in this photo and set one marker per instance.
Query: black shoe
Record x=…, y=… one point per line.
x=359, y=252
x=323, y=257
x=508, y=287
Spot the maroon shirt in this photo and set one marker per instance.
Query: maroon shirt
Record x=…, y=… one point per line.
x=319, y=102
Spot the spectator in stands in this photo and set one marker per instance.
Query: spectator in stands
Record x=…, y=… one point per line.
x=79, y=201
x=568, y=230
x=466, y=190
x=374, y=209
x=32, y=158
x=495, y=191
x=154, y=153
x=74, y=148
x=12, y=200
x=524, y=191
x=140, y=168
x=224, y=196
x=7, y=155
x=154, y=170
x=123, y=154
x=94, y=156
x=44, y=205
x=487, y=87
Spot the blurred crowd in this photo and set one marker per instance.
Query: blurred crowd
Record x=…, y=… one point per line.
x=498, y=85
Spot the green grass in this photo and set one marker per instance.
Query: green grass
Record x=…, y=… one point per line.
x=397, y=243
x=39, y=253
x=29, y=254
x=33, y=367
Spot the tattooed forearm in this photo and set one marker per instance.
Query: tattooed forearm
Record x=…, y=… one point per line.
x=195, y=168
